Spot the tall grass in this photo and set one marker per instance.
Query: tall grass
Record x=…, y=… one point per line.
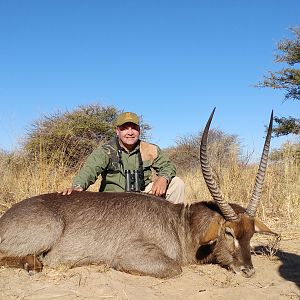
x=21, y=178
x=280, y=201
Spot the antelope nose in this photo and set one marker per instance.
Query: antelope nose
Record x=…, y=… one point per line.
x=247, y=271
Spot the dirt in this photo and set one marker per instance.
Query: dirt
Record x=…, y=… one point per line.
x=277, y=265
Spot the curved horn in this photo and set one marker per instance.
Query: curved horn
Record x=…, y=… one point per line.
x=253, y=203
x=225, y=208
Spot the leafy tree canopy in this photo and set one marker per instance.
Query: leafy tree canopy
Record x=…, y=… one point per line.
x=68, y=137
x=222, y=149
x=288, y=79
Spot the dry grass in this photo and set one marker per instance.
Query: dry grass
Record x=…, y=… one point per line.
x=20, y=178
x=280, y=203
x=280, y=200
x=271, y=248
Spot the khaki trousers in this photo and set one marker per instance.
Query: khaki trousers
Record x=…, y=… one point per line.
x=175, y=190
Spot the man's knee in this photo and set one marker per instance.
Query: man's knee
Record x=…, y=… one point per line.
x=177, y=182
x=175, y=192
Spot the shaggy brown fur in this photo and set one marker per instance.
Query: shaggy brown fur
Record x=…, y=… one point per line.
x=131, y=232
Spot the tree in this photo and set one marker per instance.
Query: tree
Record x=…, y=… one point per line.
x=287, y=79
x=67, y=138
x=222, y=148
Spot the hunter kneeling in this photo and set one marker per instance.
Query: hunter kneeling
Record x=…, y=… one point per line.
x=126, y=164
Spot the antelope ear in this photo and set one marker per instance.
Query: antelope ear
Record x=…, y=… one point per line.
x=260, y=227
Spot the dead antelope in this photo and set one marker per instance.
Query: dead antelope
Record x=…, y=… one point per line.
x=133, y=232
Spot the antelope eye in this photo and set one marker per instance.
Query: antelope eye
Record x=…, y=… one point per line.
x=229, y=231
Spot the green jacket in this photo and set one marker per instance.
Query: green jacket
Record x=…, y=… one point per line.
x=103, y=161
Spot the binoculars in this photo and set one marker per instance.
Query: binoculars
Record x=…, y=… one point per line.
x=132, y=181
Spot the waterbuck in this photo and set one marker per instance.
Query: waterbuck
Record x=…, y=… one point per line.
x=133, y=232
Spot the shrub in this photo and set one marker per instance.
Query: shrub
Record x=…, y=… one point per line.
x=70, y=136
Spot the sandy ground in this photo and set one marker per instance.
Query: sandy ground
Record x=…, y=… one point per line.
x=277, y=276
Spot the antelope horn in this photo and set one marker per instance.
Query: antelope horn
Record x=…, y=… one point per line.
x=253, y=203
x=225, y=208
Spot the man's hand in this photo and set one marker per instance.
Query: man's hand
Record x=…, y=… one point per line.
x=68, y=191
x=159, y=186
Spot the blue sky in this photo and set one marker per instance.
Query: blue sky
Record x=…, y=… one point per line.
x=168, y=60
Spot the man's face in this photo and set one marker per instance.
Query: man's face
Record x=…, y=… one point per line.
x=129, y=134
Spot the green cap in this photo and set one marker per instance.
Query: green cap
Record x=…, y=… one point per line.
x=127, y=117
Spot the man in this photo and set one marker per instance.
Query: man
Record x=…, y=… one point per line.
x=127, y=152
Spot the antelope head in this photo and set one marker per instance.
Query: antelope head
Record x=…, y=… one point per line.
x=232, y=248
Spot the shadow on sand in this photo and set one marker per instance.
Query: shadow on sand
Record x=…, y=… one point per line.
x=290, y=267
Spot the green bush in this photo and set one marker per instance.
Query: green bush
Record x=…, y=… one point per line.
x=222, y=150
x=69, y=137
x=66, y=138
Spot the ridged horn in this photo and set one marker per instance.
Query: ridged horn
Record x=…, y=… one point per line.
x=260, y=176
x=225, y=208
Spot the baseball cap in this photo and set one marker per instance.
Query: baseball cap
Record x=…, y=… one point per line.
x=127, y=117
